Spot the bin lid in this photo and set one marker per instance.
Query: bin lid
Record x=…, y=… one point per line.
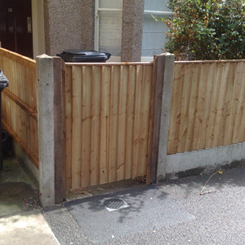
x=79, y=55
x=3, y=81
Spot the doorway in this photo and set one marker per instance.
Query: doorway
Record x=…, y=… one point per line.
x=16, y=26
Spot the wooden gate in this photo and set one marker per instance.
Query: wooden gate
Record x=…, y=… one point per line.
x=108, y=115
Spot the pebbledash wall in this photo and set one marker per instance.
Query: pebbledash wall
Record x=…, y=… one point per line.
x=70, y=24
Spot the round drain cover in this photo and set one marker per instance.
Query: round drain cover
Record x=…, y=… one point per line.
x=114, y=203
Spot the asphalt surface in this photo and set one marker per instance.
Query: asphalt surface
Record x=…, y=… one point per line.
x=173, y=212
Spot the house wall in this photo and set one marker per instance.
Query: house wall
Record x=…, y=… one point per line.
x=38, y=28
x=68, y=25
x=132, y=29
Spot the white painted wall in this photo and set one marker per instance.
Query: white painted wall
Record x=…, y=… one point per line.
x=38, y=28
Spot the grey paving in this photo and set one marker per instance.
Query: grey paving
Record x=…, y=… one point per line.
x=173, y=212
x=148, y=209
x=21, y=221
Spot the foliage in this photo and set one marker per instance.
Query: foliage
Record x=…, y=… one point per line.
x=206, y=29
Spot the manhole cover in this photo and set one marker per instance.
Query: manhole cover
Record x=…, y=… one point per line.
x=112, y=204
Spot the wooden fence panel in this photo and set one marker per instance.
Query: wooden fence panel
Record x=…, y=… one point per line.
x=207, y=106
x=107, y=122
x=19, y=101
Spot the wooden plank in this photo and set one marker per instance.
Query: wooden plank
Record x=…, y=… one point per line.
x=192, y=106
x=200, y=125
x=122, y=108
x=144, y=119
x=22, y=145
x=76, y=126
x=130, y=122
x=150, y=132
x=238, y=103
x=213, y=106
x=229, y=101
x=86, y=126
x=68, y=114
x=220, y=121
x=114, y=91
x=207, y=102
x=208, y=61
x=241, y=127
x=104, y=125
x=20, y=103
x=101, y=64
x=95, y=125
x=188, y=72
x=174, y=119
x=137, y=106
x=25, y=61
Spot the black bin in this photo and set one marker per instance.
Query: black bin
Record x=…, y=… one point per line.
x=3, y=84
x=78, y=55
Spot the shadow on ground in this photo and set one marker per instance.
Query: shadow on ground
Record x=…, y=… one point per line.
x=218, y=180
x=16, y=192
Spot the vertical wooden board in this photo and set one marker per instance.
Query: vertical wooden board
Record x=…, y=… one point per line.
x=207, y=103
x=31, y=134
x=34, y=90
x=242, y=107
x=221, y=107
x=137, y=107
x=114, y=91
x=130, y=122
x=174, y=118
x=238, y=103
x=3, y=103
x=213, y=105
x=188, y=72
x=104, y=125
x=95, y=124
x=34, y=132
x=199, y=128
x=122, y=112
x=25, y=85
x=86, y=126
x=151, y=165
x=68, y=116
x=76, y=125
x=228, y=102
x=233, y=105
x=196, y=68
x=144, y=119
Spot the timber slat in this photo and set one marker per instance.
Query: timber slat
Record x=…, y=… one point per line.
x=22, y=145
x=211, y=107
x=107, y=122
x=20, y=103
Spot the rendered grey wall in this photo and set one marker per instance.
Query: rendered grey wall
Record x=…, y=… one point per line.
x=68, y=24
x=132, y=30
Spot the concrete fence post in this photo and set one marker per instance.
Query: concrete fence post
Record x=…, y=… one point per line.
x=50, y=78
x=165, y=115
x=163, y=77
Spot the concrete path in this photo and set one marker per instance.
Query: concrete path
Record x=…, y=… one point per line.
x=21, y=221
x=26, y=228
x=168, y=213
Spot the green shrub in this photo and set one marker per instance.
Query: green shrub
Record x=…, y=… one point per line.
x=206, y=29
